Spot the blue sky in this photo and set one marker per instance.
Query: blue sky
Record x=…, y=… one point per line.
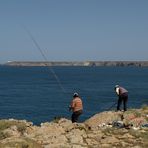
x=74, y=30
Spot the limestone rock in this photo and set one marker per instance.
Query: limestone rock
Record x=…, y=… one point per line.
x=96, y=132
x=103, y=118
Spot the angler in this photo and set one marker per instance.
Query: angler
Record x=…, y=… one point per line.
x=76, y=106
x=123, y=97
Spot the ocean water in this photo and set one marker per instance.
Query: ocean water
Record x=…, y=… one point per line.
x=32, y=93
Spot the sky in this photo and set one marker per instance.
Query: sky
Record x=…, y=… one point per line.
x=74, y=30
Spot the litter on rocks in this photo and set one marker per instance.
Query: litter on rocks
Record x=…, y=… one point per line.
x=144, y=125
x=118, y=124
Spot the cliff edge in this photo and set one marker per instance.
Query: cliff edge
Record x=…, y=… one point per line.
x=104, y=130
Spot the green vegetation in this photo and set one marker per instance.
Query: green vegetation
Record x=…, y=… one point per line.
x=145, y=108
x=56, y=119
x=5, y=124
x=81, y=128
x=142, y=136
x=3, y=135
x=134, y=112
x=114, y=131
x=21, y=127
x=138, y=133
x=21, y=143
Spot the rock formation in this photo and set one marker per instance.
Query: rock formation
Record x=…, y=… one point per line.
x=82, y=63
x=104, y=130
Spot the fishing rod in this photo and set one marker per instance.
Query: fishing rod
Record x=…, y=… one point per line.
x=45, y=59
x=112, y=106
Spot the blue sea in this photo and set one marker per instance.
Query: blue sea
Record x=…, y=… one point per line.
x=32, y=93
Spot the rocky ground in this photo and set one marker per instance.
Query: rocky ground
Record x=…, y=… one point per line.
x=108, y=129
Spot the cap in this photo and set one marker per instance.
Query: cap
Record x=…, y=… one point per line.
x=116, y=86
x=75, y=94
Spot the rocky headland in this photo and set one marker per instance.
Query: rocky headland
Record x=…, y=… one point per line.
x=108, y=129
x=83, y=63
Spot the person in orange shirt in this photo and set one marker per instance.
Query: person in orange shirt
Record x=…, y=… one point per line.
x=76, y=107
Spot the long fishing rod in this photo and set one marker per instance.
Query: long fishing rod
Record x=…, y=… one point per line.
x=45, y=59
x=112, y=106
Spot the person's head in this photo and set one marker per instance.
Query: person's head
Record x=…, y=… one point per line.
x=116, y=86
x=75, y=95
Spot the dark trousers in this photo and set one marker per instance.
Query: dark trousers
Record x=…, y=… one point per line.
x=75, y=115
x=122, y=98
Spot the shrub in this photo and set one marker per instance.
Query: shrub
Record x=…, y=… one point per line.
x=3, y=135
x=4, y=124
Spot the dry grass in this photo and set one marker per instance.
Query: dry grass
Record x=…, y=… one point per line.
x=5, y=124
x=142, y=136
x=145, y=108
x=56, y=119
x=139, y=134
x=114, y=131
x=3, y=135
x=22, y=143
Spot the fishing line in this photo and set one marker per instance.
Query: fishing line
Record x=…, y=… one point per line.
x=113, y=105
x=45, y=59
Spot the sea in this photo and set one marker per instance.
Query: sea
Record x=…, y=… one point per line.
x=36, y=95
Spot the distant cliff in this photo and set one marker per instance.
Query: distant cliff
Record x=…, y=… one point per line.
x=83, y=63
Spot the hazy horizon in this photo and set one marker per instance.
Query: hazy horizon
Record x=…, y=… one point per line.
x=80, y=30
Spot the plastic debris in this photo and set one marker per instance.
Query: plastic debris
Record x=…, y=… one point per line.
x=135, y=128
x=102, y=125
x=118, y=124
x=144, y=125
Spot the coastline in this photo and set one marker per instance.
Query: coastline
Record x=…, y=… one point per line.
x=82, y=63
x=106, y=129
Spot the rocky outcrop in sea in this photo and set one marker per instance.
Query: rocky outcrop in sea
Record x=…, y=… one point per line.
x=108, y=129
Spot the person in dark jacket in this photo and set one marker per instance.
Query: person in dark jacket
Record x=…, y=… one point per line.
x=123, y=97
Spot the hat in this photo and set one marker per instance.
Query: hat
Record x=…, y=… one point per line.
x=116, y=86
x=75, y=94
